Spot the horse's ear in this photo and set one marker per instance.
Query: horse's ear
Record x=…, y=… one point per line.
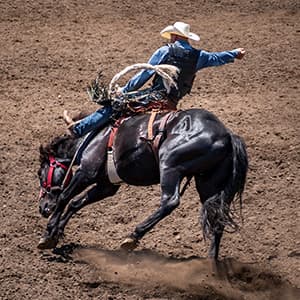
x=43, y=153
x=41, y=149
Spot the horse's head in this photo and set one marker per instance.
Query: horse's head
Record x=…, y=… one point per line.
x=54, y=176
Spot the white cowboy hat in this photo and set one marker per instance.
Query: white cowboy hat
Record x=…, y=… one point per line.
x=179, y=28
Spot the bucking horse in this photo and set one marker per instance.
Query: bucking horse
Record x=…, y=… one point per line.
x=169, y=148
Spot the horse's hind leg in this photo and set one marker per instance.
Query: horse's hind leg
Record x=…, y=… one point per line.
x=215, y=242
x=211, y=188
x=170, y=184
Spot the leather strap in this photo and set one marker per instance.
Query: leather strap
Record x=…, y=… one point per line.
x=111, y=138
x=161, y=131
x=111, y=166
x=150, y=124
x=113, y=132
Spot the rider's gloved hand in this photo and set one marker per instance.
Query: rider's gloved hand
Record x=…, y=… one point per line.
x=118, y=104
x=119, y=91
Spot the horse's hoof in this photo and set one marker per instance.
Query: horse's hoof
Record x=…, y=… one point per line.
x=47, y=243
x=129, y=244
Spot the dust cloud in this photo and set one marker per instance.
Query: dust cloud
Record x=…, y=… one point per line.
x=193, y=276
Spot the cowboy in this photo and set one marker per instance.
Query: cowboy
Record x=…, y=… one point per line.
x=179, y=53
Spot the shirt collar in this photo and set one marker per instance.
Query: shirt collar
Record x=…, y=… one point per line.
x=183, y=44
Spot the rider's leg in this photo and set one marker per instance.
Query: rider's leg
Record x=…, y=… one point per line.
x=91, y=122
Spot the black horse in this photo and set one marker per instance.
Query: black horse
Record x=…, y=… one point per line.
x=195, y=145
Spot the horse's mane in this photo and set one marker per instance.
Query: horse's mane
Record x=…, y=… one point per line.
x=58, y=144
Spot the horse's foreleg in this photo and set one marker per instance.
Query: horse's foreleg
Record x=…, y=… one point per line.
x=78, y=183
x=95, y=194
x=170, y=183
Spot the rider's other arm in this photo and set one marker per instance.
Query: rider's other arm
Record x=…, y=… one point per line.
x=142, y=77
x=213, y=59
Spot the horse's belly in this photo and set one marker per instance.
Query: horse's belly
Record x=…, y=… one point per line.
x=137, y=166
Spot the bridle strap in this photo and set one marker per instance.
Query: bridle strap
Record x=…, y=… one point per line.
x=53, y=164
x=47, y=184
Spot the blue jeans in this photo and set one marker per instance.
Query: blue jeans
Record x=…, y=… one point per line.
x=93, y=121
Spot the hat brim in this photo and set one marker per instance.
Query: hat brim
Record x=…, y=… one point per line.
x=166, y=33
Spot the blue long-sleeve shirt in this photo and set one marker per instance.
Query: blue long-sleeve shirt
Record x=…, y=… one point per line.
x=205, y=59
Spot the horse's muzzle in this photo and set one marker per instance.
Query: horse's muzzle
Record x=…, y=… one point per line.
x=45, y=211
x=46, y=207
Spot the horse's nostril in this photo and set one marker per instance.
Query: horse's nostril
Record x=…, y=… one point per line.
x=44, y=209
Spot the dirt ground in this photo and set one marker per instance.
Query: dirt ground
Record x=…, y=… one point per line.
x=50, y=50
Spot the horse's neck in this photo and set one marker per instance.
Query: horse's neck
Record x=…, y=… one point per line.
x=68, y=148
x=74, y=149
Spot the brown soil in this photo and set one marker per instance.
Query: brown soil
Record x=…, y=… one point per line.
x=50, y=50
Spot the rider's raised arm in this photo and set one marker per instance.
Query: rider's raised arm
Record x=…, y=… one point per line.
x=142, y=77
x=213, y=59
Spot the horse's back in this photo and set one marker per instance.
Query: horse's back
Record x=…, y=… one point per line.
x=189, y=134
x=197, y=140
x=195, y=128
x=196, y=121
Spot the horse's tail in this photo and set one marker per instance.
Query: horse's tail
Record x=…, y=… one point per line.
x=216, y=210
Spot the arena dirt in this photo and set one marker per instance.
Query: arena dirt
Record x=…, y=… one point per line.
x=50, y=50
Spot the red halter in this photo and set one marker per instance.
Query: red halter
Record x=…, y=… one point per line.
x=47, y=184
